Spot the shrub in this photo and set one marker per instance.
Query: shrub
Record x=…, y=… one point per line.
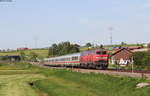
x=142, y=59
x=137, y=57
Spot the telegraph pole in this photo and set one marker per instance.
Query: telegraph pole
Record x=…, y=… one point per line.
x=36, y=41
x=111, y=39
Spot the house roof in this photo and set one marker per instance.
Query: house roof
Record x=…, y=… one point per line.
x=121, y=50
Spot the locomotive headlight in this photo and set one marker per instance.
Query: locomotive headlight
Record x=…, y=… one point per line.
x=101, y=57
x=104, y=57
x=98, y=57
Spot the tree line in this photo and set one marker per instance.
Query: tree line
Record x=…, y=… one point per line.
x=63, y=48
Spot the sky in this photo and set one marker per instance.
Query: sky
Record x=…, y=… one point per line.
x=40, y=23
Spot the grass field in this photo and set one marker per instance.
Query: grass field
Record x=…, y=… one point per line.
x=17, y=85
x=42, y=53
x=15, y=79
x=59, y=82
x=67, y=83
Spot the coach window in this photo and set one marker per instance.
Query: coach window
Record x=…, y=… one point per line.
x=76, y=58
x=68, y=59
x=73, y=58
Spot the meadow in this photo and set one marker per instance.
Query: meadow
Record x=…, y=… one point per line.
x=15, y=81
x=42, y=53
x=68, y=83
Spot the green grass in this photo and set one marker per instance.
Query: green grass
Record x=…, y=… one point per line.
x=59, y=82
x=15, y=66
x=15, y=81
x=67, y=83
x=17, y=85
x=41, y=52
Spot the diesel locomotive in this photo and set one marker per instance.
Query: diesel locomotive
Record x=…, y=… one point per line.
x=96, y=58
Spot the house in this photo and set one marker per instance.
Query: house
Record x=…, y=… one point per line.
x=122, y=57
x=19, y=49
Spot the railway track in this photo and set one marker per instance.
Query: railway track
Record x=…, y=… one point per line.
x=131, y=71
x=116, y=72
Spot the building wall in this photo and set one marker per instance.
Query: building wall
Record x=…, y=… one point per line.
x=123, y=57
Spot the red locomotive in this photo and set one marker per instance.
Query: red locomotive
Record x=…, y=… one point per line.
x=96, y=58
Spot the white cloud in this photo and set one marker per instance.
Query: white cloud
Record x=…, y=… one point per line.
x=146, y=5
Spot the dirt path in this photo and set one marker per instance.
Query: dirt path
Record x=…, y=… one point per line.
x=17, y=85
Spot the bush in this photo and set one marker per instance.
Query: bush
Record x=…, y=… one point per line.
x=142, y=59
x=137, y=57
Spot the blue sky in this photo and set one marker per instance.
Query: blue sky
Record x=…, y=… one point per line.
x=22, y=22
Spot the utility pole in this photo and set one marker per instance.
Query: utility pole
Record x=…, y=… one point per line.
x=36, y=41
x=111, y=39
x=26, y=46
x=132, y=65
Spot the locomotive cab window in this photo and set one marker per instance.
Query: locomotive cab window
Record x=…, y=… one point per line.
x=101, y=52
x=104, y=52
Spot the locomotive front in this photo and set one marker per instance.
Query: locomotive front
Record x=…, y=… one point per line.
x=100, y=58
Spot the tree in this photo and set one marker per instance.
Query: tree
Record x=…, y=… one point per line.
x=63, y=48
x=146, y=59
x=101, y=46
x=137, y=58
x=142, y=59
x=123, y=43
x=33, y=56
x=88, y=45
x=53, y=50
x=148, y=45
x=22, y=55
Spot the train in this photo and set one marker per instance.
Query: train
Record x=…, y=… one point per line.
x=95, y=59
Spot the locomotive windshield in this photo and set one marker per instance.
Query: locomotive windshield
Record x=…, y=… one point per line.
x=101, y=52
